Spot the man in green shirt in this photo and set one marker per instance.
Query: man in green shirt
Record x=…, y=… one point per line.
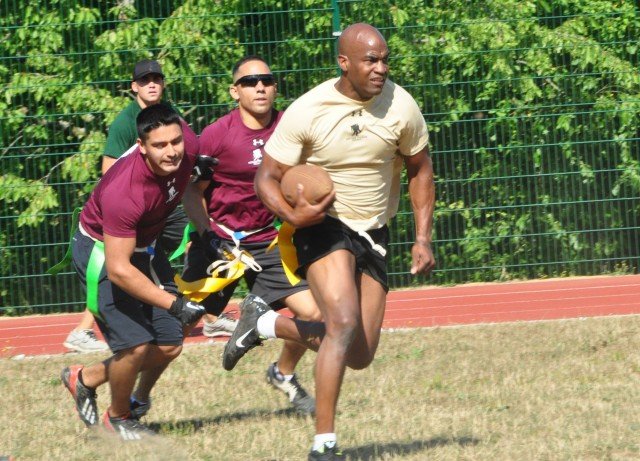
x=147, y=85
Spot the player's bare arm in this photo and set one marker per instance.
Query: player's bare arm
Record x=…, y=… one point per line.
x=195, y=205
x=118, y=252
x=267, y=185
x=422, y=193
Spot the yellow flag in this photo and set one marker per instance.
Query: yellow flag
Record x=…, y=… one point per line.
x=288, y=252
x=200, y=289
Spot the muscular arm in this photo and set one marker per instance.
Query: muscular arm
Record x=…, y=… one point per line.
x=117, y=252
x=422, y=193
x=195, y=205
x=267, y=186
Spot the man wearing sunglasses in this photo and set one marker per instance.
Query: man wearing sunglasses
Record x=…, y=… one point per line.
x=225, y=207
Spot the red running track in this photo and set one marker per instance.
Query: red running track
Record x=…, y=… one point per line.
x=429, y=307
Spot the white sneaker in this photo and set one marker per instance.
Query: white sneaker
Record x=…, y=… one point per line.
x=84, y=341
x=223, y=326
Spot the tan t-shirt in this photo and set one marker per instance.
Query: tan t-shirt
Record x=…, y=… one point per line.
x=357, y=143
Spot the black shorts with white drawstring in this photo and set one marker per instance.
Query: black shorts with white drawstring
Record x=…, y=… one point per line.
x=314, y=242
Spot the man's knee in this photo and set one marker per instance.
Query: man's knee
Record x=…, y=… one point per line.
x=362, y=353
x=342, y=328
x=303, y=306
x=361, y=362
x=310, y=315
x=170, y=352
x=135, y=352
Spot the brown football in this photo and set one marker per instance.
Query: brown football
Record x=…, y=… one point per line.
x=316, y=181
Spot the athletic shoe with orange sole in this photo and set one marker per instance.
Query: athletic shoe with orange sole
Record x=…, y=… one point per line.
x=84, y=397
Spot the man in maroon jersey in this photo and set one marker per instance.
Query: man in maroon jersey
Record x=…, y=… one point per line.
x=129, y=286
x=226, y=207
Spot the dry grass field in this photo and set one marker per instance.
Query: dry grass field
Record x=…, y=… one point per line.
x=563, y=390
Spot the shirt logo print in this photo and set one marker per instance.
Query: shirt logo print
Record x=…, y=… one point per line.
x=257, y=157
x=356, y=130
x=171, y=190
x=257, y=153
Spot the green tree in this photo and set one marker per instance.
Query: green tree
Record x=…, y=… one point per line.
x=533, y=108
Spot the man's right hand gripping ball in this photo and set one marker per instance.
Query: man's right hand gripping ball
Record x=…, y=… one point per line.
x=187, y=311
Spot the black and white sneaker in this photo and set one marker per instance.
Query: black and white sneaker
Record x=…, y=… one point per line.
x=83, y=396
x=128, y=428
x=298, y=397
x=328, y=452
x=245, y=337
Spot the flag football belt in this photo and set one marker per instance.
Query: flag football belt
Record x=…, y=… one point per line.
x=183, y=243
x=94, y=264
x=236, y=236
x=66, y=260
x=288, y=254
x=223, y=271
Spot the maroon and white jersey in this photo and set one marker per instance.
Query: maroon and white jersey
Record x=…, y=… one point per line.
x=231, y=199
x=131, y=201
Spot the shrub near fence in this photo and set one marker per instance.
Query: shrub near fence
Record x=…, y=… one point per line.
x=533, y=108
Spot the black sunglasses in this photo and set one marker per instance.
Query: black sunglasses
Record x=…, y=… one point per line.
x=252, y=80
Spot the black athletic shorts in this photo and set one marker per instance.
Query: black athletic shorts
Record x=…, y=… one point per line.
x=315, y=242
x=124, y=320
x=271, y=284
x=173, y=231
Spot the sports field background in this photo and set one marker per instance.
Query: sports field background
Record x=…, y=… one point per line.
x=561, y=390
x=533, y=108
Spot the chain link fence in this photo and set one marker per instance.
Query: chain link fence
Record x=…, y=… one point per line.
x=533, y=109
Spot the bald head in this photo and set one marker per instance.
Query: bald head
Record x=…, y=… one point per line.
x=357, y=36
x=363, y=59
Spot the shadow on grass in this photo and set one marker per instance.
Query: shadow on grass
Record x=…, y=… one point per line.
x=368, y=452
x=376, y=451
x=193, y=425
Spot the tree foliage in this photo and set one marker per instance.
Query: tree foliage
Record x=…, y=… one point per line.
x=533, y=109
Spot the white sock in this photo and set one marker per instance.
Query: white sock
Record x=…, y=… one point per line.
x=321, y=439
x=267, y=325
x=278, y=372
